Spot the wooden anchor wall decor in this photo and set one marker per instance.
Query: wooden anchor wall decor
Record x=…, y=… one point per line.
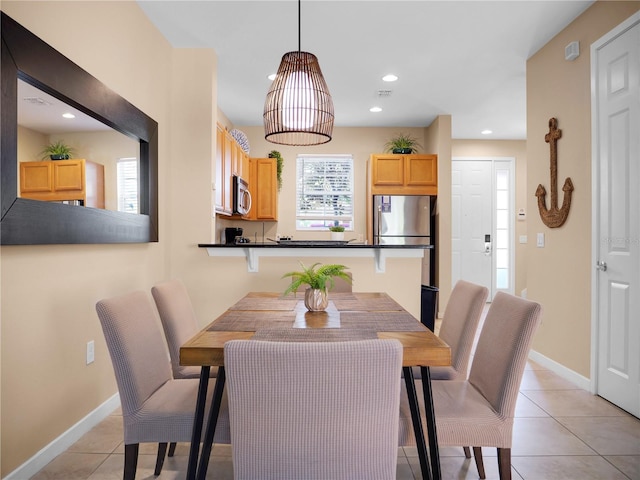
x=554, y=216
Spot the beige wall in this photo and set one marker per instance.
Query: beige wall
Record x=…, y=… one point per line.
x=501, y=149
x=559, y=275
x=49, y=293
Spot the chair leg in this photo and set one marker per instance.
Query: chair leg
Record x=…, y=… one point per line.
x=467, y=452
x=130, y=461
x=162, y=450
x=477, y=454
x=504, y=463
x=172, y=449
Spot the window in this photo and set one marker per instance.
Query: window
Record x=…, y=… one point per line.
x=324, y=191
x=128, y=185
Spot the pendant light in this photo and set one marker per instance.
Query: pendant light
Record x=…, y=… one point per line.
x=298, y=109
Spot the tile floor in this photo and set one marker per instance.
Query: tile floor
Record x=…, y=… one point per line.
x=560, y=432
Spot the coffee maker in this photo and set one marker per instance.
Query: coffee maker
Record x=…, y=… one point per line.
x=231, y=233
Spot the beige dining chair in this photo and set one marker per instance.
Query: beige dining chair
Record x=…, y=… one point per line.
x=340, y=285
x=314, y=410
x=179, y=322
x=479, y=411
x=155, y=407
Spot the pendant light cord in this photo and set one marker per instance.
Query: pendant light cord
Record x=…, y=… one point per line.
x=299, y=49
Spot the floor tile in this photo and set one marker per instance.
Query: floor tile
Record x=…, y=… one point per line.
x=545, y=436
x=71, y=466
x=566, y=468
x=544, y=380
x=607, y=435
x=627, y=464
x=526, y=408
x=461, y=468
x=103, y=438
x=572, y=403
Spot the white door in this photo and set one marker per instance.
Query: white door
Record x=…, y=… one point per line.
x=472, y=222
x=616, y=185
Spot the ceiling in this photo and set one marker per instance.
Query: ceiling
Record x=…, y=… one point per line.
x=463, y=58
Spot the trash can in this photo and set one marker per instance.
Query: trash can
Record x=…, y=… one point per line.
x=428, y=302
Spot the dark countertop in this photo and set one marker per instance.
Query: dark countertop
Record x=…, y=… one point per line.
x=311, y=244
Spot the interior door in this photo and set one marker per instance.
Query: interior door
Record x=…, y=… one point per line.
x=616, y=74
x=472, y=222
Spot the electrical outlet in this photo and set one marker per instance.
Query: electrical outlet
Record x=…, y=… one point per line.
x=91, y=351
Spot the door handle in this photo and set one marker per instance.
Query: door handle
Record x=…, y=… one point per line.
x=487, y=245
x=602, y=266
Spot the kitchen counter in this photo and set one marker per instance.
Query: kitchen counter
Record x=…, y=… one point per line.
x=311, y=248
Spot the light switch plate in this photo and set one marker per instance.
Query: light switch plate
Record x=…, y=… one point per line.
x=540, y=240
x=523, y=239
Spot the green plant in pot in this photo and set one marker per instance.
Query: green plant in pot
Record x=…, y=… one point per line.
x=57, y=151
x=279, y=164
x=337, y=232
x=402, y=143
x=319, y=279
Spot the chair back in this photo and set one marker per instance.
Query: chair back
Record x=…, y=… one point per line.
x=136, y=347
x=314, y=410
x=502, y=350
x=179, y=322
x=460, y=323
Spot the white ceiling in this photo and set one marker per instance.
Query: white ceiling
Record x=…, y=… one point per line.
x=463, y=58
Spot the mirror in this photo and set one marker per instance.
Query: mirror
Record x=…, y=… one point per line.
x=110, y=179
x=26, y=58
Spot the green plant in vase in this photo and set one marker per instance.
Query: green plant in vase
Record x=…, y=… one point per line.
x=319, y=279
x=57, y=151
x=402, y=143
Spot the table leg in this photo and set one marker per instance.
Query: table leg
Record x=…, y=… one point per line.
x=417, y=422
x=211, y=424
x=434, y=453
x=197, y=422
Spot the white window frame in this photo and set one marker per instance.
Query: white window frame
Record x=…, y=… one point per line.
x=125, y=184
x=324, y=220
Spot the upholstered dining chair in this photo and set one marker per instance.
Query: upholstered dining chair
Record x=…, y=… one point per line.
x=314, y=410
x=179, y=322
x=155, y=407
x=459, y=327
x=479, y=411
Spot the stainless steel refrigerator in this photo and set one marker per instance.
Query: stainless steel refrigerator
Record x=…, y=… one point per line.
x=405, y=220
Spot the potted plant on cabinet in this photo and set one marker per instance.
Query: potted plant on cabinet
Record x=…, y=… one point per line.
x=57, y=151
x=402, y=143
x=279, y=163
x=319, y=279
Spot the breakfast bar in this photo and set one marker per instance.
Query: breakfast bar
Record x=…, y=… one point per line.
x=314, y=248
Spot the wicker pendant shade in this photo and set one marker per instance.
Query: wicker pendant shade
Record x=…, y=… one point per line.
x=298, y=109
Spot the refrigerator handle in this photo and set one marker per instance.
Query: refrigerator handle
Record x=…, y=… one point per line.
x=378, y=230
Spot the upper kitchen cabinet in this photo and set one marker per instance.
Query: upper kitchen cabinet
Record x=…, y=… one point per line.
x=393, y=174
x=263, y=186
x=231, y=160
x=63, y=180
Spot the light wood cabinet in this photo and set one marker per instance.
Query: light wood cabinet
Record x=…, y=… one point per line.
x=263, y=185
x=223, y=166
x=392, y=174
x=230, y=160
x=63, y=180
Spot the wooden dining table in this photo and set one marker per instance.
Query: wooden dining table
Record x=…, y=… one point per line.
x=349, y=316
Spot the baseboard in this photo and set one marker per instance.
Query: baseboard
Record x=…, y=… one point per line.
x=64, y=441
x=561, y=370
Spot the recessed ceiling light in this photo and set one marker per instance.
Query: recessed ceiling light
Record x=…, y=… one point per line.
x=68, y=115
x=375, y=109
x=390, y=78
x=486, y=132
x=272, y=77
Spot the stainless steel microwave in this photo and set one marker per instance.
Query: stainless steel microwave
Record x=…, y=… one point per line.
x=241, y=196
